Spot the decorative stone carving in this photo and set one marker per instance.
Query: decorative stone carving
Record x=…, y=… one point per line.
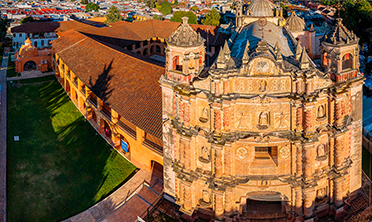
x=204, y=155
x=265, y=183
x=243, y=120
x=284, y=152
x=321, y=112
x=321, y=196
x=263, y=85
x=263, y=120
x=321, y=152
x=242, y=153
x=281, y=120
x=204, y=116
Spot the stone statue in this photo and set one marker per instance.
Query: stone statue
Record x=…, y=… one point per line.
x=262, y=86
x=321, y=112
x=264, y=119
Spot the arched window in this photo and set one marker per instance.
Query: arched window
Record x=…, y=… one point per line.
x=347, y=61
x=158, y=49
x=138, y=52
x=176, y=63
x=152, y=49
x=145, y=52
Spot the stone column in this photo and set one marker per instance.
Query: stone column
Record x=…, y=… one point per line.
x=309, y=161
x=339, y=191
x=338, y=113
x=227, y=159
x=309, y=119
x=181, y=148
x=229, y=200
x=187, y=198
x=298, y=200
x=218, y=166
x=187, y=154
x=309, y=201
x=219, y=206
x=338, y=151
x=299, y=164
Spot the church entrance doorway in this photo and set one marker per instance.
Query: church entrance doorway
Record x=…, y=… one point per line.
x=30, y=65
x=265, y=205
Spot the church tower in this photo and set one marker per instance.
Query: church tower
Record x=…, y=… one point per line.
x=185, y=56
x=340, y=60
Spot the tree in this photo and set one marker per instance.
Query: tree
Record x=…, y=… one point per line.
x=195, y=8
x=92, y=7
x=157, y=17
x=26, y=20
x=177, y=17
x=150, y=3
x=84, y=2
x=113, y=15
x=166, y=8
x=212, y=18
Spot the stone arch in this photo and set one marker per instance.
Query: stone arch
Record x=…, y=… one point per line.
x=347, y=61
x=94, y=115
x=81, y=103
x=177, y=63
x=74, y=95
x=158, y=49
x=30, y=65
x=152, y=49
x=145, y=52
x=105, y=128
x=264, y=204
x=67, y=87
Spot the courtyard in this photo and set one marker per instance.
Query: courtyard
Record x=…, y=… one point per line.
x=60, y=165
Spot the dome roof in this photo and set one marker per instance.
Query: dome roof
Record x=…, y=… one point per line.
x=340, y=34
x=261, y=8
x=295, y=23
x=28, y=50
x=185, y=35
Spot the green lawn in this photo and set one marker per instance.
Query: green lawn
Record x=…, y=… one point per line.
x=11, y=69
x=60, y=166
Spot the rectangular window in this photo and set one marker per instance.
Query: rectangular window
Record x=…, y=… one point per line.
x=42, y=42
x=266, y=156
x=35, y=44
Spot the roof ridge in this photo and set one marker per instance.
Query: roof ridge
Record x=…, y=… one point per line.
x=113, y=47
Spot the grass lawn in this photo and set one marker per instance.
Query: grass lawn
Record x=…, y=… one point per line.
x=60, y=166
x=11, y=69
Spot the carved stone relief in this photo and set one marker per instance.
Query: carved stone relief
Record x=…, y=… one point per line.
x=321, y=152
x=243, y=120
x=204, y=116
x=242, y=153
x=263, y=120
x=281, y=120
x=284, y=152
x=321, y=112
x=204, y=155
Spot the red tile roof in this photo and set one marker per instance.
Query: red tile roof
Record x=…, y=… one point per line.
x=37, y=27
x=127, y=82
x=125, y=33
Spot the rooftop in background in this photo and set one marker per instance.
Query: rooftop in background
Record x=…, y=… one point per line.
x=39, y=27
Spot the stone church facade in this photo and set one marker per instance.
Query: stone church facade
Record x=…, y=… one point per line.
x=264, y=132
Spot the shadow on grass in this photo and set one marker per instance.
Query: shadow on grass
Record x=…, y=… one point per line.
x=60, y=167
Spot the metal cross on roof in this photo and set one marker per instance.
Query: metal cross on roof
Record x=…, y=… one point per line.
x=338, y=6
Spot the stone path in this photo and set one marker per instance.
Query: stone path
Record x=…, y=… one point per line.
x=3, y=117
x=142, y=187
x=30, y=75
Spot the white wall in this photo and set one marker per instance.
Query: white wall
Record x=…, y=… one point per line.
x=20, y=38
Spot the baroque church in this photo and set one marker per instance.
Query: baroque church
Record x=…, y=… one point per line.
x=264, y=132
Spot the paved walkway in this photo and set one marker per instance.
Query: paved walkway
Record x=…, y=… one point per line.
x=3, y=117
x=30, y=75
x=116, y=200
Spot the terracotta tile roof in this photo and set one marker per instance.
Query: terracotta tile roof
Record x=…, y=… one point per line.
x=33, y=27
x=126, y=33
x=127, y=82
